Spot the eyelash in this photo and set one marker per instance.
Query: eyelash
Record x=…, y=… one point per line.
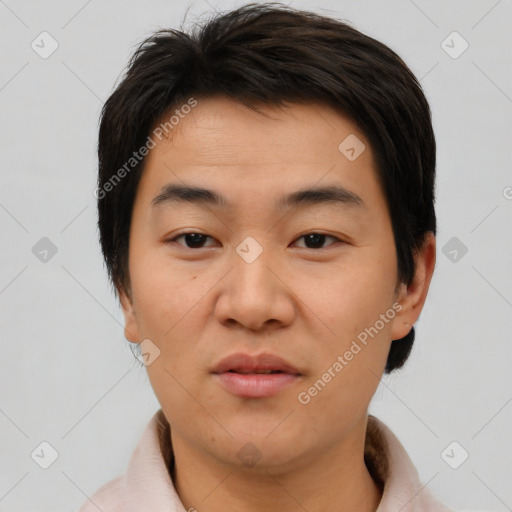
x=173, y=240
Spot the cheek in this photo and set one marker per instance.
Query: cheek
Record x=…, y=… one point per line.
x=168, y=298
x=351, y=295
x=347, y=374
x=351, y=304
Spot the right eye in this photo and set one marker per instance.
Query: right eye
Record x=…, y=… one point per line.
x=192, y=240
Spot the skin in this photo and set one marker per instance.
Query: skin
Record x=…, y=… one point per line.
x=303, y=303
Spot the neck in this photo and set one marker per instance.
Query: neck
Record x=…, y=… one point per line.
x=337, y=479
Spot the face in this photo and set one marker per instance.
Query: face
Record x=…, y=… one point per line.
x=306, y=288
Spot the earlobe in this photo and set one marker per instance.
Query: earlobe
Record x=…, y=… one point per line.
x=412, y=297
x=131, y=330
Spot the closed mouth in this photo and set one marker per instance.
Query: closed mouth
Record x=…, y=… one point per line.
x=256, y=371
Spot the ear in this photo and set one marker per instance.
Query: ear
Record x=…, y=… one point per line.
x=412, y=297
x=131, y=329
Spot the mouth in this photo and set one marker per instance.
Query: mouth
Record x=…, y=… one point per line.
x=257, y=376
x=257, y=371
x=258, y=364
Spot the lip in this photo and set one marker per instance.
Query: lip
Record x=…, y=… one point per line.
x=251, y=384
x=265, y=361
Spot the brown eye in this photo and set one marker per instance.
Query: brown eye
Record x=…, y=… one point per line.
x=192, y=240
x=316, y=240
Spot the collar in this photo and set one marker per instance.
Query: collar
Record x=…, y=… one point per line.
x=147, y=480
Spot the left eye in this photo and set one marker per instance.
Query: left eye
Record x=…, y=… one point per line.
x=316, y=239
x=197, y=240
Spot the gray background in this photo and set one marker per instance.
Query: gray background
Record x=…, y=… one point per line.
x=67, y=374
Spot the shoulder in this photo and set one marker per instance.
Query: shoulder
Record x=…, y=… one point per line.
x=390, y=464
x=107, y=498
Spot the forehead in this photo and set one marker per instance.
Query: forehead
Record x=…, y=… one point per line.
x=219, y=127
x=223, y=145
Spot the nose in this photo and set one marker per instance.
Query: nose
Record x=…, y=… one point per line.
x=256, y=293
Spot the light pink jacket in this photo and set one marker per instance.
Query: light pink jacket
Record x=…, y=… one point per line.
x=147, y=486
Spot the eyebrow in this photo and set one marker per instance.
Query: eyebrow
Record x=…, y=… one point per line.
x=332, y=194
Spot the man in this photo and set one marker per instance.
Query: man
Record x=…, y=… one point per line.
x=266, y=213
